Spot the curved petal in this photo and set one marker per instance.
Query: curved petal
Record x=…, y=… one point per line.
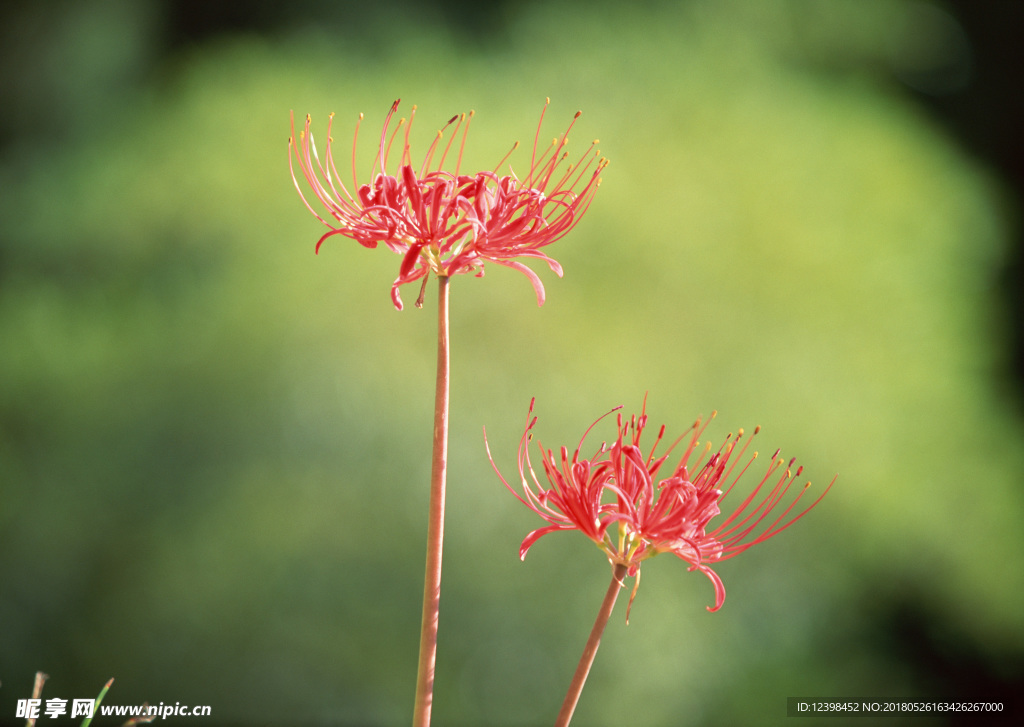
x=717, y=582
x=538, y=287
x=396, y=297
x=347, y=233
x=536, y=535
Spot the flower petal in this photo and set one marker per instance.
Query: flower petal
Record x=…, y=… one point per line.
x=536, y=535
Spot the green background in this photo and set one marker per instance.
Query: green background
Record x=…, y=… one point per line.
x=214, y=445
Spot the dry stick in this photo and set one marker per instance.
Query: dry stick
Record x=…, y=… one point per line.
x=435, y=522
x=590, y=650
x=37, y=691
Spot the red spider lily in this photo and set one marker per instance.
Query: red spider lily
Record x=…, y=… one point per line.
x=447, y=222
x=616, y=499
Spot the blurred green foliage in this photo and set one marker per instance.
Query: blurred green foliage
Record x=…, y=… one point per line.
x=214, y=445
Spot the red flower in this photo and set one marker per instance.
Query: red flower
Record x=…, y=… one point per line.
x=447, y=222
x=617, y=500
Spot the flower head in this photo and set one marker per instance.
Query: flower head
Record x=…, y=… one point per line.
x=634, y=506
x=448, y=222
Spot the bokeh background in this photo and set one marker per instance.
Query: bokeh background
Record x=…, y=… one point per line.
x=214, y=445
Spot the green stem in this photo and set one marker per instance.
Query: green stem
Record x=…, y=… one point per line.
x=435, y=522
x=590, y=650
x=96, y=703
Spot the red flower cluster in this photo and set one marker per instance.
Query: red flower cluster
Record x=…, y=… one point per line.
x=617, y=500
x=447, y=222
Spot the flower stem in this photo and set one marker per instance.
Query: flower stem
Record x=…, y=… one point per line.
x=590, y=650
x=435, y=521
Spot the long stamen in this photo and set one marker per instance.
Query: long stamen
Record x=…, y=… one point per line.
x=771, y=529
x=764, y=507
x=505, y=158
x=580, y=168
x=433, y=146
x=657, y=441
x=330, y=165
x=293, y=146
x=732, y=539
x=387, y=152
x=542, y=162
x=462, y=146
x=327, y=150
x=693, y=432
x=382, y=155
x=455, y=132
x=430, y=153
x=406, y=156
x=557, y=159
x=806, y=510
x=560, y=184
x=584, y=196
x=536, y=140
x=735, y=456
x=697, y=466
x=740, y=475
x=309, y=146
x=355, y=138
